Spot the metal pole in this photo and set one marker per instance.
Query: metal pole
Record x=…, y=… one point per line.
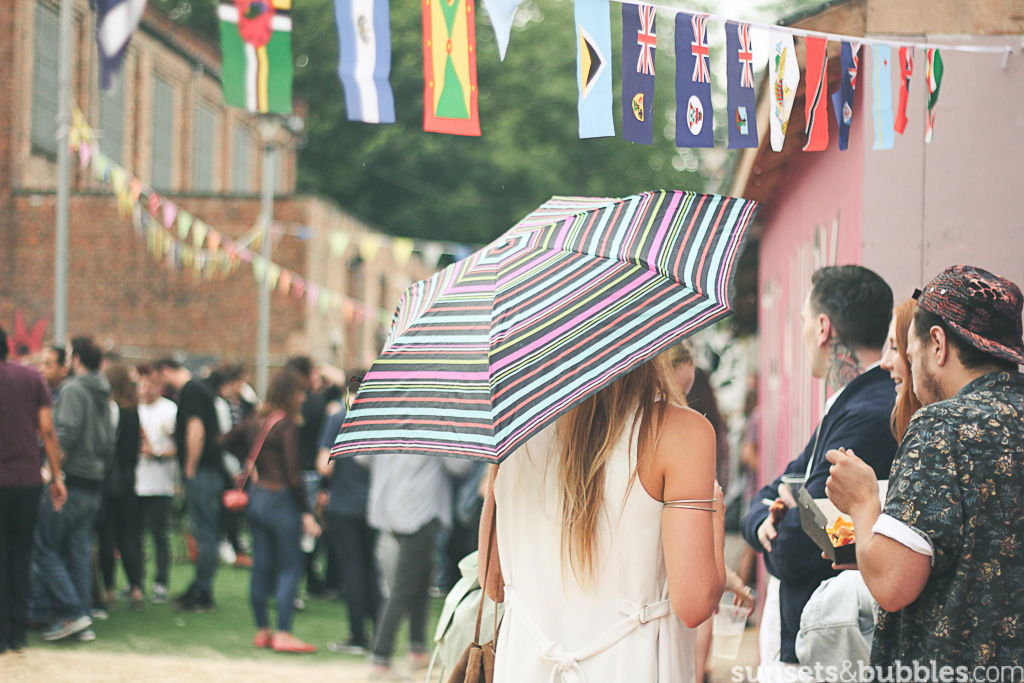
x=266, y=218
x=60, y=287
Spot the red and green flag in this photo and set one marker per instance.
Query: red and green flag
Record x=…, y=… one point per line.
x=935, y=70
x=256, y=46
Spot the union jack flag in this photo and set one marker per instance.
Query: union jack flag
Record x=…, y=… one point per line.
x=646, y=39
x=699, y=49
x=854, y=64
x=746, y=57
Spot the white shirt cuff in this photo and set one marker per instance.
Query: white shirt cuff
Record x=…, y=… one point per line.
x=904, y=534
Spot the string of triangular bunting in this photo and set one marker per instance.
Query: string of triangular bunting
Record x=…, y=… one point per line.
x=182, y=241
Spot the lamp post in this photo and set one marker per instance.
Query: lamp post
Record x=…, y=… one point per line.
x=271, y=127
x=60, y=285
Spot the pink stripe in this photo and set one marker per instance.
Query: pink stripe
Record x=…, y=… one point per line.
x=571, y=324
x=435, y=374
x=686, y=237
x=659, y=237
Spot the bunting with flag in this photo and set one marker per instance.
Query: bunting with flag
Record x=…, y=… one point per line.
x=449, y=67
x=593, y=68
x=256, y=46
x=906, y=71
x=881, y=58
x=639, y=43
x=739, y=68
x=816, y=95
x=116, y=20
x=695, y=115
x=364, y=65
x=934, y=78
x=783, y=79
x=501, y=12
x=842, y=99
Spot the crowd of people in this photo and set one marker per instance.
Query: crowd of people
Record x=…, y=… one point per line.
x=608, y=528
x=101, y=459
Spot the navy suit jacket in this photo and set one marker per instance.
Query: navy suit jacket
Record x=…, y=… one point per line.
x=858, y=420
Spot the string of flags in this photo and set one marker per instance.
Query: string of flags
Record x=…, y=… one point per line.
x=185, y=242
x=257, y=69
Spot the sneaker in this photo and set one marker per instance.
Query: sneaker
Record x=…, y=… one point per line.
x=160, y=594
x=186, y=598
x=299, y=604
x=86, y=636
x=286, y=642
x=347, y=647
x=243, y=561
x=99, y=614
x=66, y=627
x=200, y=603
x=227, y=553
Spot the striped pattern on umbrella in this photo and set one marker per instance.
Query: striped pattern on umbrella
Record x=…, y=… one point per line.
x=489, y=351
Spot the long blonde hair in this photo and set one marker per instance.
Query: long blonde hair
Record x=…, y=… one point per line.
x=587, y=435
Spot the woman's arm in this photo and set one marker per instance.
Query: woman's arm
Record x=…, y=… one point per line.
x=493, y=583
x=693, y=539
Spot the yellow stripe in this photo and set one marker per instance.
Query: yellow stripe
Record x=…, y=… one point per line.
x=283, y=4
x=262, y=79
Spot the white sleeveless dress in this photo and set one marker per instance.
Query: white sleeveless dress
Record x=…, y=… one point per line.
x=619, y=627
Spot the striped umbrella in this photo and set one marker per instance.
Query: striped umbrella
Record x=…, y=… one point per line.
x=489, y=351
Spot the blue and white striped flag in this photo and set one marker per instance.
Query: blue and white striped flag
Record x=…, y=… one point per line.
x=116, y=20
x=364, y=36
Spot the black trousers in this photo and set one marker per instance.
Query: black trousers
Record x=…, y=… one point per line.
x=118, y=527
x=19, y=508
x=352, y=543
x=154, y=515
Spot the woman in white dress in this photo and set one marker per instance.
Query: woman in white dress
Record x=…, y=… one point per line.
x=609, y=539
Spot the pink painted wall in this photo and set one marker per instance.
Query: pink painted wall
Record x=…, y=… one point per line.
x=814, y=220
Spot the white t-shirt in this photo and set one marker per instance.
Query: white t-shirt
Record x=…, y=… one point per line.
x=156, y=476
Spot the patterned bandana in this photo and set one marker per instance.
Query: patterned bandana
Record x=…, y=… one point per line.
x=982, y=308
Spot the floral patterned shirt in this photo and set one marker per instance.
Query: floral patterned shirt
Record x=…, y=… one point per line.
x=958, y=479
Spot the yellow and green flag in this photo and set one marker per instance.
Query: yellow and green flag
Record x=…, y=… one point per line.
x=256, y=45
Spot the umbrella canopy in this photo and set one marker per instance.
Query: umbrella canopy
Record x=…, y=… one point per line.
x=489, y=351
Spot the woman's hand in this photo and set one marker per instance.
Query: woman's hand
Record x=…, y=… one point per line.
x=744, y=596
x=309, y=525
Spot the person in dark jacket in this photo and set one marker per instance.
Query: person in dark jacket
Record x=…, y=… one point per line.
x=62, y=568
x=845, y=322
x=118, y=519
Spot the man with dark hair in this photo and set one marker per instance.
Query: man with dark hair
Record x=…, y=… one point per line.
x=62, y=596
x=197, y=441
x=26, y=416
x=55, y=369
x=845, y=322
x=944, y=558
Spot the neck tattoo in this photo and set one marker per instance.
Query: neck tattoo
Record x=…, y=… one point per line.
x=843, y=365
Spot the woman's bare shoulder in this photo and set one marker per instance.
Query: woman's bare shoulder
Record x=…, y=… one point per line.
x=684, y=431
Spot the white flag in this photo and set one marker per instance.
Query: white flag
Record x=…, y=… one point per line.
x=784, y=77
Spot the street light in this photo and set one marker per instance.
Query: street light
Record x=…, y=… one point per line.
x=271, y=127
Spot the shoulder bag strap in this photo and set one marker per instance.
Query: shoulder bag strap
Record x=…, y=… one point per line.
x=268, y=423
x=487, y=573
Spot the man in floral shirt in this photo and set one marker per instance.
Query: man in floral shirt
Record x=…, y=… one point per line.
x=946, y=559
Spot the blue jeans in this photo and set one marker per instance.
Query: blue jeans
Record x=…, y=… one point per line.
x=276, y=525
x=62, y=568
x=203, y=494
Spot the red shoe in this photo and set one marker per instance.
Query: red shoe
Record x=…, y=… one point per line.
x=262, y=638
x=286, y=642
x=243, y=561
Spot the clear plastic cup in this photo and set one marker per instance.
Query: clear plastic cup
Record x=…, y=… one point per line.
x=727, y=628
x=795, y=482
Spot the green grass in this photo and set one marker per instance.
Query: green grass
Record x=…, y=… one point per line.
x=225, y=632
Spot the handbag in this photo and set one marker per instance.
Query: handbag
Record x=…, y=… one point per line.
x=476, y=665
x=236, y=499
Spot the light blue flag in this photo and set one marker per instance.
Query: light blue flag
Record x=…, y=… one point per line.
x=364, y=43
x=502, y=12
x=881, y=81
x=593, y=68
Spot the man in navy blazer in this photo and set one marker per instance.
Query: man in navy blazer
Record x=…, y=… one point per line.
x=845, y=321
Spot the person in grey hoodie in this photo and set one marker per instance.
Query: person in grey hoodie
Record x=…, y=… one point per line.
x=61, y=595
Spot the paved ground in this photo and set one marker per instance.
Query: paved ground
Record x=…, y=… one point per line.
x=77, y=663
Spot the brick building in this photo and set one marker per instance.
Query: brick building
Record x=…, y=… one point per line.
x=166, y=123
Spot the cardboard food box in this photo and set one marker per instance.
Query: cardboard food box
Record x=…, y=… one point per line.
x=817, y=514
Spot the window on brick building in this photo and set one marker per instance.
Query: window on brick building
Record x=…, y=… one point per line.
x=44, y=79
x=204, y=148
x=162, y=143
x=112, y=121
x=241, y=160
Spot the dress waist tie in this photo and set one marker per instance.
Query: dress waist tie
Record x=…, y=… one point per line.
x=565, y=666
